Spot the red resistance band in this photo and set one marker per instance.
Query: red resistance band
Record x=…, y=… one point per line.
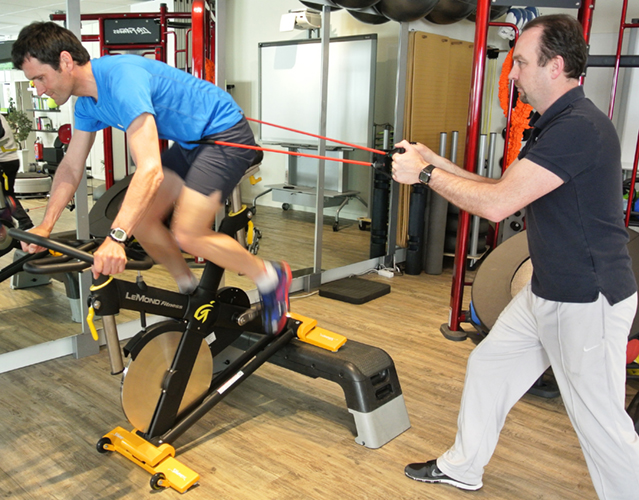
x=382, y=159
x=363, y=148
x=292, y=153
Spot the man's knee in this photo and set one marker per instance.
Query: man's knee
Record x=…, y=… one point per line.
x=186, y=239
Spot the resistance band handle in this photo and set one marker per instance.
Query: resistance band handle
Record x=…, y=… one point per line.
x=383, y=163
x=400, y=151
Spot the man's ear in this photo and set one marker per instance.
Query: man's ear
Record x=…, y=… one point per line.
x=557, y=65
x=66, y=61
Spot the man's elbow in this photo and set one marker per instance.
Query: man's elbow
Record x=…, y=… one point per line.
x=156, y=180
x=497, y=214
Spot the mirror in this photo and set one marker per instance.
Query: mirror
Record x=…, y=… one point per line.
x=289, y=89
x=35, y=309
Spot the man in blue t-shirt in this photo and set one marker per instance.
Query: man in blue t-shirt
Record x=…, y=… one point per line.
x=149, y=100
x=576, y=313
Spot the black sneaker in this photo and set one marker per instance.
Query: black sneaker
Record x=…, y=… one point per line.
x=275, y=304
x=428, y=472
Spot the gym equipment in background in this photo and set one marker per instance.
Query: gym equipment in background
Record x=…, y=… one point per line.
x=405, y=10
x=496, y=12
x=355, y=4
x=32, y=184
x=369, y=16
x=451, y=11
x=318, y=6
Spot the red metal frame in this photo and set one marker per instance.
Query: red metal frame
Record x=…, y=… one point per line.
x=470, y=159
x=623, y=25
x=456, y=315
x=198, y=51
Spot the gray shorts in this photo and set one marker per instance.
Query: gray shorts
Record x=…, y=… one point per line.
x=208, y=167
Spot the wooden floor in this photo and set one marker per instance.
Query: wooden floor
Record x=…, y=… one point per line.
x=284, y=436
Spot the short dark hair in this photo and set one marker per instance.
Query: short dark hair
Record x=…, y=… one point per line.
x=45, y=42
x=562, y=36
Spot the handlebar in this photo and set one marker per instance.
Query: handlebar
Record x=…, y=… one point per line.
x=62, y=264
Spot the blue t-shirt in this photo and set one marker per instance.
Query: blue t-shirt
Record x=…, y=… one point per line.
x=576, y=233
x=185, y=108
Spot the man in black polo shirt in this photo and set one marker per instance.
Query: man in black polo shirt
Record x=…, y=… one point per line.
x=576, y=312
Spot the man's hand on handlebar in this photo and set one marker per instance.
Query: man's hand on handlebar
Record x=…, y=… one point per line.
x=32, y=247
x=109, y=259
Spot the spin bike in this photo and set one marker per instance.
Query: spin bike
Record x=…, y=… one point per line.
x=170, y=383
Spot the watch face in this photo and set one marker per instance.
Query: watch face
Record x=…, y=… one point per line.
x=118, y=234
x=424, y=176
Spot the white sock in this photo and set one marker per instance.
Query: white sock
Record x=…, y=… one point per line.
x=187, y=283
x=268, y=280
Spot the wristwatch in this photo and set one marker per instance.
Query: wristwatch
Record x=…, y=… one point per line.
x=118, y=235
x=424, y=175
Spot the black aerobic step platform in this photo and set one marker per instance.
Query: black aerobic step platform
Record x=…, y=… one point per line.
x=354, y=290
x=367, y=376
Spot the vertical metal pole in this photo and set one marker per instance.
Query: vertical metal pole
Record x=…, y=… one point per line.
x=437, y=215
x=163, y=36
x=492, y=145
x=198, y=15
x=220, y=35
x=626, y=84
x=452, y=329
x=615, y=76
x=83, y=344
x=400, y=102
x=107, y=133
x=454, y=140
x=584, y=15
x=319, y=192
x=474, y=231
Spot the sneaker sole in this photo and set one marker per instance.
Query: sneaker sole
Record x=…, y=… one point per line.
x=289, y=278
x=452, y=482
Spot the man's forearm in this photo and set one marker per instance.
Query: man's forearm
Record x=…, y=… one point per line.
x=450, y=167
x=65, y=183
x=140, y=193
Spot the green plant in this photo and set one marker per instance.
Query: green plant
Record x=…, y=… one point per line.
x=19, y=122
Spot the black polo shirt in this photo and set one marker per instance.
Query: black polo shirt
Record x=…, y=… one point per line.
x=576, y=233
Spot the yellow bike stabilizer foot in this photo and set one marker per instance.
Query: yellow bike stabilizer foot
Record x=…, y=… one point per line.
x=157, y=460
x=309, y=332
